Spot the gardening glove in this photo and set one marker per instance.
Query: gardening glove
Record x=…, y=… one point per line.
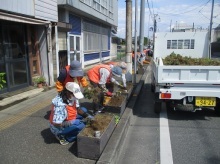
x=108, y=93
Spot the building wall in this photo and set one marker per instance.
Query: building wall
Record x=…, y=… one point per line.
x=215, y=35
x=113, y=52
x=200, y=46
x=89, y=8
x=42, y=9
x=46, y=9
x=43, y=51
x=93, y=24
x=25, y=7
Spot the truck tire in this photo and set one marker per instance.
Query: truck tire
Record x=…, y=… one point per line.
x=157, y=107
x=170, y=106
x=152, y=88
x=217, y=108
x=152, y=84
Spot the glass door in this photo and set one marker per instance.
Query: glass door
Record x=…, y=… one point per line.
x=3, y=81
x=75, y=47
x=14, y=55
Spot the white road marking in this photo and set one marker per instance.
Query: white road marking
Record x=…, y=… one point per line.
x=166, y=156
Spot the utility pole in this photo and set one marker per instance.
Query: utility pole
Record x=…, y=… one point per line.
x=129, y=35
x=135, y=41
x=155, y=30
x=210, y=31
x=148, y=29
x=141, y=37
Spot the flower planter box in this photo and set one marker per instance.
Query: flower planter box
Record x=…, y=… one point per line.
x=112, y=107
x=129, y=90
x=92, y=147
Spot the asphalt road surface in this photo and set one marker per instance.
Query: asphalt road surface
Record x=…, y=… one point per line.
x=179, y=137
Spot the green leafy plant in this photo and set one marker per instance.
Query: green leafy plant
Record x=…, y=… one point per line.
x=2, y=80
x=117, y=119
x=39, y=79
x=177, y=59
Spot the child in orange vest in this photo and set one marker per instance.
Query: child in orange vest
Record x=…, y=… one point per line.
x=66, y=114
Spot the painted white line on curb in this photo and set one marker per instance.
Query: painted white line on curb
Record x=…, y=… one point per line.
x=166, y=156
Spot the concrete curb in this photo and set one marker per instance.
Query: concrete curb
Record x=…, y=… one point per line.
x=24, y=95
x=113, y=147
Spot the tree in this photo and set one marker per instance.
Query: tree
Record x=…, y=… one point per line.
x=145, y=41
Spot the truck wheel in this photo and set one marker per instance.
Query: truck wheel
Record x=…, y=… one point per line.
x=217, y=108
x=152, y=88
x=170, y=106
x=157, y=107
x=153, y=84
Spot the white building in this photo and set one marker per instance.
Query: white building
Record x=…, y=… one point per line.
x=184, y=43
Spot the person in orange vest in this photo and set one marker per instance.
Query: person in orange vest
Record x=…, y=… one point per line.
x=66, y=117
x=133, y=56
x=71, y=73
x=100, y=76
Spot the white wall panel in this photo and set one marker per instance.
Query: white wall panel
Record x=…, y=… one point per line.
x=62, y=41
x=200, y=47
x=25, y=7
x=46, y=9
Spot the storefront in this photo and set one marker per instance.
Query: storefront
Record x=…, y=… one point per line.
x=20, y=58
x=13, y=56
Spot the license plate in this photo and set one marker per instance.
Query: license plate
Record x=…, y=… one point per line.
x=205, y=101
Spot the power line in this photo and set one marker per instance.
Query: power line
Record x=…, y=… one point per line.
x=188, y=11
x=149, y=9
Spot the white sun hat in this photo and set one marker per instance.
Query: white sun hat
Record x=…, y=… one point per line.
x=75, y=89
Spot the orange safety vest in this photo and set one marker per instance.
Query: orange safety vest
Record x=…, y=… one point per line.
x=94, y=75
x=71, y=113
x=132, y=55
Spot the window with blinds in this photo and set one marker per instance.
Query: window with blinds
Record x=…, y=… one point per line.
x=96, y=38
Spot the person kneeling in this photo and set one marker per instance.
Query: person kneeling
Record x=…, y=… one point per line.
x=66, y=118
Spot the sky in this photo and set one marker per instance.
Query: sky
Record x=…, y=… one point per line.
x=170, y=13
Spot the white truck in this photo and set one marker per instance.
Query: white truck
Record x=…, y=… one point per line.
x=185, y=87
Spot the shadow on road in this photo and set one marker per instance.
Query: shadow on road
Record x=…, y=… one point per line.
x=204, y=114
x=48, y=136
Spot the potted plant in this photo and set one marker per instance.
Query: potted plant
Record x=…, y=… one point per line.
x=2, y=80
x=39, y=81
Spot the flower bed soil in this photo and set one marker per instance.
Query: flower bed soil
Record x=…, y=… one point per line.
x=116, y=101
x=100, y=123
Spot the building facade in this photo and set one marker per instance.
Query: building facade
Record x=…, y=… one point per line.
x=93, y=23
x=40, y=37
x=183, y=43
x=26, y=42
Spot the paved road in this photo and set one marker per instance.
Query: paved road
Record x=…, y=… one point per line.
x=178, y=138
